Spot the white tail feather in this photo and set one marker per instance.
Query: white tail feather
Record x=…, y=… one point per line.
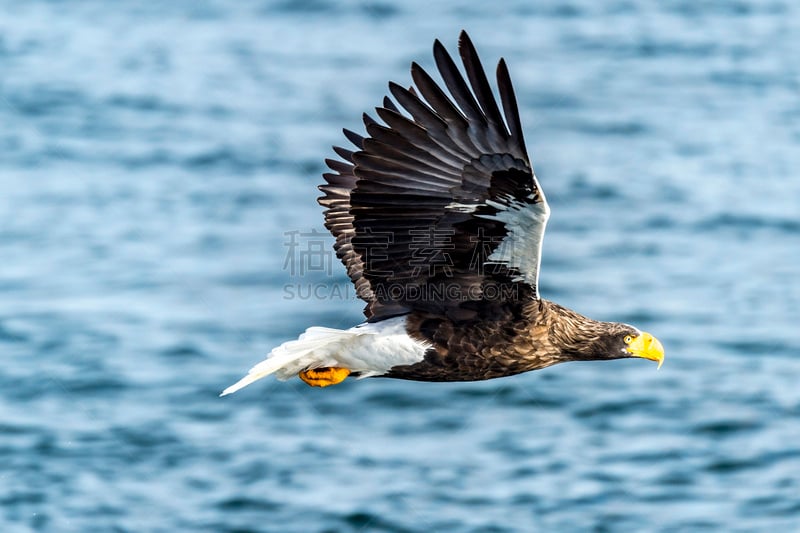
x=313, y=339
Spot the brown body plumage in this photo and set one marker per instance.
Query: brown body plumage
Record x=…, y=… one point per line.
x=518, y=338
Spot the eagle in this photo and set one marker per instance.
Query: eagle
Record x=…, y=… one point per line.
x=438, y=217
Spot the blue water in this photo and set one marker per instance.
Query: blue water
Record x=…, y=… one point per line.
x=153, y=157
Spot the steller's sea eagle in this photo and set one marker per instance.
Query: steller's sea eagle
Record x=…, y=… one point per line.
x=438, y=218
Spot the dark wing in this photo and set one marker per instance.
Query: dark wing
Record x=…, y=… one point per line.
x=439, y=209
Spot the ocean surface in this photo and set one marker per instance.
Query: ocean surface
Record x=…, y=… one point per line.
x=159, y=234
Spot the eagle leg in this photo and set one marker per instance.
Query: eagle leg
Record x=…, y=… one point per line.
x=322, y=377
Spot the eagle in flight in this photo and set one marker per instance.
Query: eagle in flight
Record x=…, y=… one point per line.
x=439, y=218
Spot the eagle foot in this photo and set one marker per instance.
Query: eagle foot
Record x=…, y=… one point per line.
x=322, y=377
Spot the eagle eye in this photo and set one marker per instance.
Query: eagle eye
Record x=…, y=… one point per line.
x=628, y=339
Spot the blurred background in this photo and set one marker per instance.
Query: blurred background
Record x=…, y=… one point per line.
x=158, y=172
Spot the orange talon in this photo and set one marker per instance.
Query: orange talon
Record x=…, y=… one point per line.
x=322, y=377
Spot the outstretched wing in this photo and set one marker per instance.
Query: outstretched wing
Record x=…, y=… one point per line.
x=438, y=208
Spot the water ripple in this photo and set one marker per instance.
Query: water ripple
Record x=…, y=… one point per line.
x=156, y=155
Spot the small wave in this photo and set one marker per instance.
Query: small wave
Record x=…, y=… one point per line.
x=749, y=222
x=243, y=503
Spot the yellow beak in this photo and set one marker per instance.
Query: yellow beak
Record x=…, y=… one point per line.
x=647, y=347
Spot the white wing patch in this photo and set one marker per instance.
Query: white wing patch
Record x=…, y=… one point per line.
x=461, y=208
x=525, y=223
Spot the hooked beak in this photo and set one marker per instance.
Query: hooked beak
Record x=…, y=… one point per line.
x=647, y=347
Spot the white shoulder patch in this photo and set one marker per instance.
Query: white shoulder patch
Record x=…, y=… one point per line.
x=522, y=247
